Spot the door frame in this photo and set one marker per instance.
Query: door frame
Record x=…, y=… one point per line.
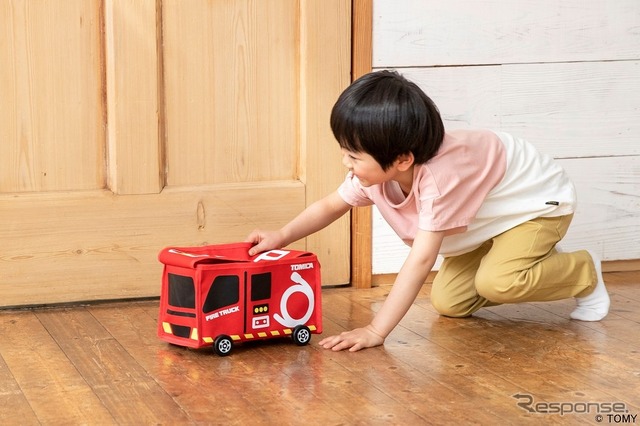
x=361, y=63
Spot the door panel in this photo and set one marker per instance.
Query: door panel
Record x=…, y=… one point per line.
x=242, y=68
x=51, y=104
x=128, y=126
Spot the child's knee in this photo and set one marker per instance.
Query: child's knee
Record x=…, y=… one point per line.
x=446, y=308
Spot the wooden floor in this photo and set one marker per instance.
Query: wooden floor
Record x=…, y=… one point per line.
x=103, y=365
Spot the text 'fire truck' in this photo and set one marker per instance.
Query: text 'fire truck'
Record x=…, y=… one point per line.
x=218, y=295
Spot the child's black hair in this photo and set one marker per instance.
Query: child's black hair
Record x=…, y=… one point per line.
x=385, y=115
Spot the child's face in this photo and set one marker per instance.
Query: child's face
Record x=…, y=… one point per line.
x=366, y=168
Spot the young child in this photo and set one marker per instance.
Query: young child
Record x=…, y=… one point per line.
x=492, y=205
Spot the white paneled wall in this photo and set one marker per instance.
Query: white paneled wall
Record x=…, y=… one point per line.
x=563, y=74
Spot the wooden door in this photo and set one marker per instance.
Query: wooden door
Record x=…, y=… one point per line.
x=127, y=126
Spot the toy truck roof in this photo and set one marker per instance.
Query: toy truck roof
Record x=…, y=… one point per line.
x=191, y=257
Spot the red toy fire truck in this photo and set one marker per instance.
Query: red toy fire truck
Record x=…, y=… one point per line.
x=219, y=295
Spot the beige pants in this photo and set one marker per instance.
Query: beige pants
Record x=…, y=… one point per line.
x=519, y=265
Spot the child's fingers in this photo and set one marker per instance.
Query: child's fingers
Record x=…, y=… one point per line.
x=338, y=343
x=257, y=239
x=255, y=250
x=253, y=237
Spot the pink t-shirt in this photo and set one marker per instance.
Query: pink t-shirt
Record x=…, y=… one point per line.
x=478, y=185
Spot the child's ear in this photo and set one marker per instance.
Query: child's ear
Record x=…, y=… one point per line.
x=405, y=161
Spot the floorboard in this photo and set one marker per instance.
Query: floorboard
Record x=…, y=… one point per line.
x=512, y=364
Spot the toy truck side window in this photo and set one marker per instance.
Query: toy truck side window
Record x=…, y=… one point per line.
x=261, y=286
x=224, y=291
x=181, y=291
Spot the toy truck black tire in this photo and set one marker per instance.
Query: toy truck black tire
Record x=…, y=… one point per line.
x=301, y=335
x=223, y=345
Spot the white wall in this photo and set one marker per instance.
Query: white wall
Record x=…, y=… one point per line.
x=563, y=74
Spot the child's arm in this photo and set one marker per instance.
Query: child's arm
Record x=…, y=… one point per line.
x=312, y=219
x=412, y=275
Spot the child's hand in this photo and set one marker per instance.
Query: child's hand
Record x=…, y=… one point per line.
x=354, y=340
x=264, y=241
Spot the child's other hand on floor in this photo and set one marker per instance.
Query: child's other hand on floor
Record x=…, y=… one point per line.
x=354, y=340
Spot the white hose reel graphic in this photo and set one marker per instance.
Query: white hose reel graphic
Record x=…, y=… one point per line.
x=301, y=287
